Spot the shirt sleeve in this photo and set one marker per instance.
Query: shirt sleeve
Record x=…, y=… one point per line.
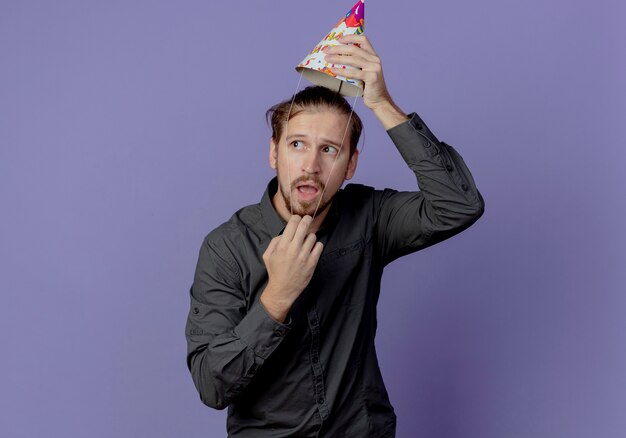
x=226, y=343
x=448, y=201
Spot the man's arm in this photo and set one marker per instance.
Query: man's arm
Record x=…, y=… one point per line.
x=226, y=345
x=448, y=201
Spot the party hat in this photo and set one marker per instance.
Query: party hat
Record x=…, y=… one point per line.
x=316, y=69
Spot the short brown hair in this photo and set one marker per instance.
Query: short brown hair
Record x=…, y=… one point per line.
x=314, y=97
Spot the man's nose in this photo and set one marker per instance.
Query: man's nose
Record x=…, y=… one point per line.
x=311, y=162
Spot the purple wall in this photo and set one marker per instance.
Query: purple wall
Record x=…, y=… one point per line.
x=128, y=130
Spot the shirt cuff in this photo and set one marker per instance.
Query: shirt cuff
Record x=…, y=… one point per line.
x=260, y=331
x=414, y=140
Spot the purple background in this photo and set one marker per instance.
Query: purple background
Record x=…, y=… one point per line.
x=129, y=129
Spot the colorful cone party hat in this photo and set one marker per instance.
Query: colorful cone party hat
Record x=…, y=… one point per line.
x=316, y=69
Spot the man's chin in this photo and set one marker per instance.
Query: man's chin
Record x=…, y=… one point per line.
x=304, y=209
x=308, y=208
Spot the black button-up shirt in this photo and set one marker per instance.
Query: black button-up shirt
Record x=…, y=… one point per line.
x=317, y=375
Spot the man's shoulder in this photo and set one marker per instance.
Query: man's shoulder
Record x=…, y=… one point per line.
x=355, y=194
x=362, y=198
x=355, y=202
x=243, y=221
x=359, y=190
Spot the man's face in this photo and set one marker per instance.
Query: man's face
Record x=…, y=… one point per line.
x=303, y=160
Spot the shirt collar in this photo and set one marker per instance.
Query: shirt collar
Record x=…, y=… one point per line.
x=274, y=223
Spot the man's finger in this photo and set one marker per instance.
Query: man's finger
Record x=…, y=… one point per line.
x=302, y=230
x=316, y=253
x=308, y=244
x=271, y=247
x=292, y=226
x=352, y=61
x=350, y=73
x=351, y=50
x=361, y=40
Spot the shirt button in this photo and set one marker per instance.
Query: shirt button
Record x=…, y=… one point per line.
x=196, y=310
x=278, y=333
x=464, y=187
x=342, y=252
x=315, y=359
x=426, y=143
x=320, y=400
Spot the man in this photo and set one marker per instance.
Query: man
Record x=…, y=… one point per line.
x=283, y=305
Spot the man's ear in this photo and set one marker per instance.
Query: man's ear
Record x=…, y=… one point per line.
x=273, y=154
x=354, y=160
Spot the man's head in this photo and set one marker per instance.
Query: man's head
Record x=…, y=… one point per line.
x=314, y=99
x=312, y=161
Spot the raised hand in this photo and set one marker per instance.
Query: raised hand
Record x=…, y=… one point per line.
x=356, y=52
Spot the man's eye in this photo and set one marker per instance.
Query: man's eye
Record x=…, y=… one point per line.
x=330, y=150
x=297, y=144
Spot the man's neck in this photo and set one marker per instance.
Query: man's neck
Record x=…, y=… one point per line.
x=319, y=219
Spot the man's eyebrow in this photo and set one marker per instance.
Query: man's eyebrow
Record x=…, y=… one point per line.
x=335, y=143
x=293, y=136
x=296, y=135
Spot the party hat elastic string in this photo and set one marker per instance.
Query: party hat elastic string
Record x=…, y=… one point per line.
x=287, y=144
x=336, y=156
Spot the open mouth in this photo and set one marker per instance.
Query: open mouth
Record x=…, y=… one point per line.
x=307, y=190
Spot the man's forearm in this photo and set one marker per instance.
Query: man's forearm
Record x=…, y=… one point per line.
x=443, y=177
x=389, y=114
